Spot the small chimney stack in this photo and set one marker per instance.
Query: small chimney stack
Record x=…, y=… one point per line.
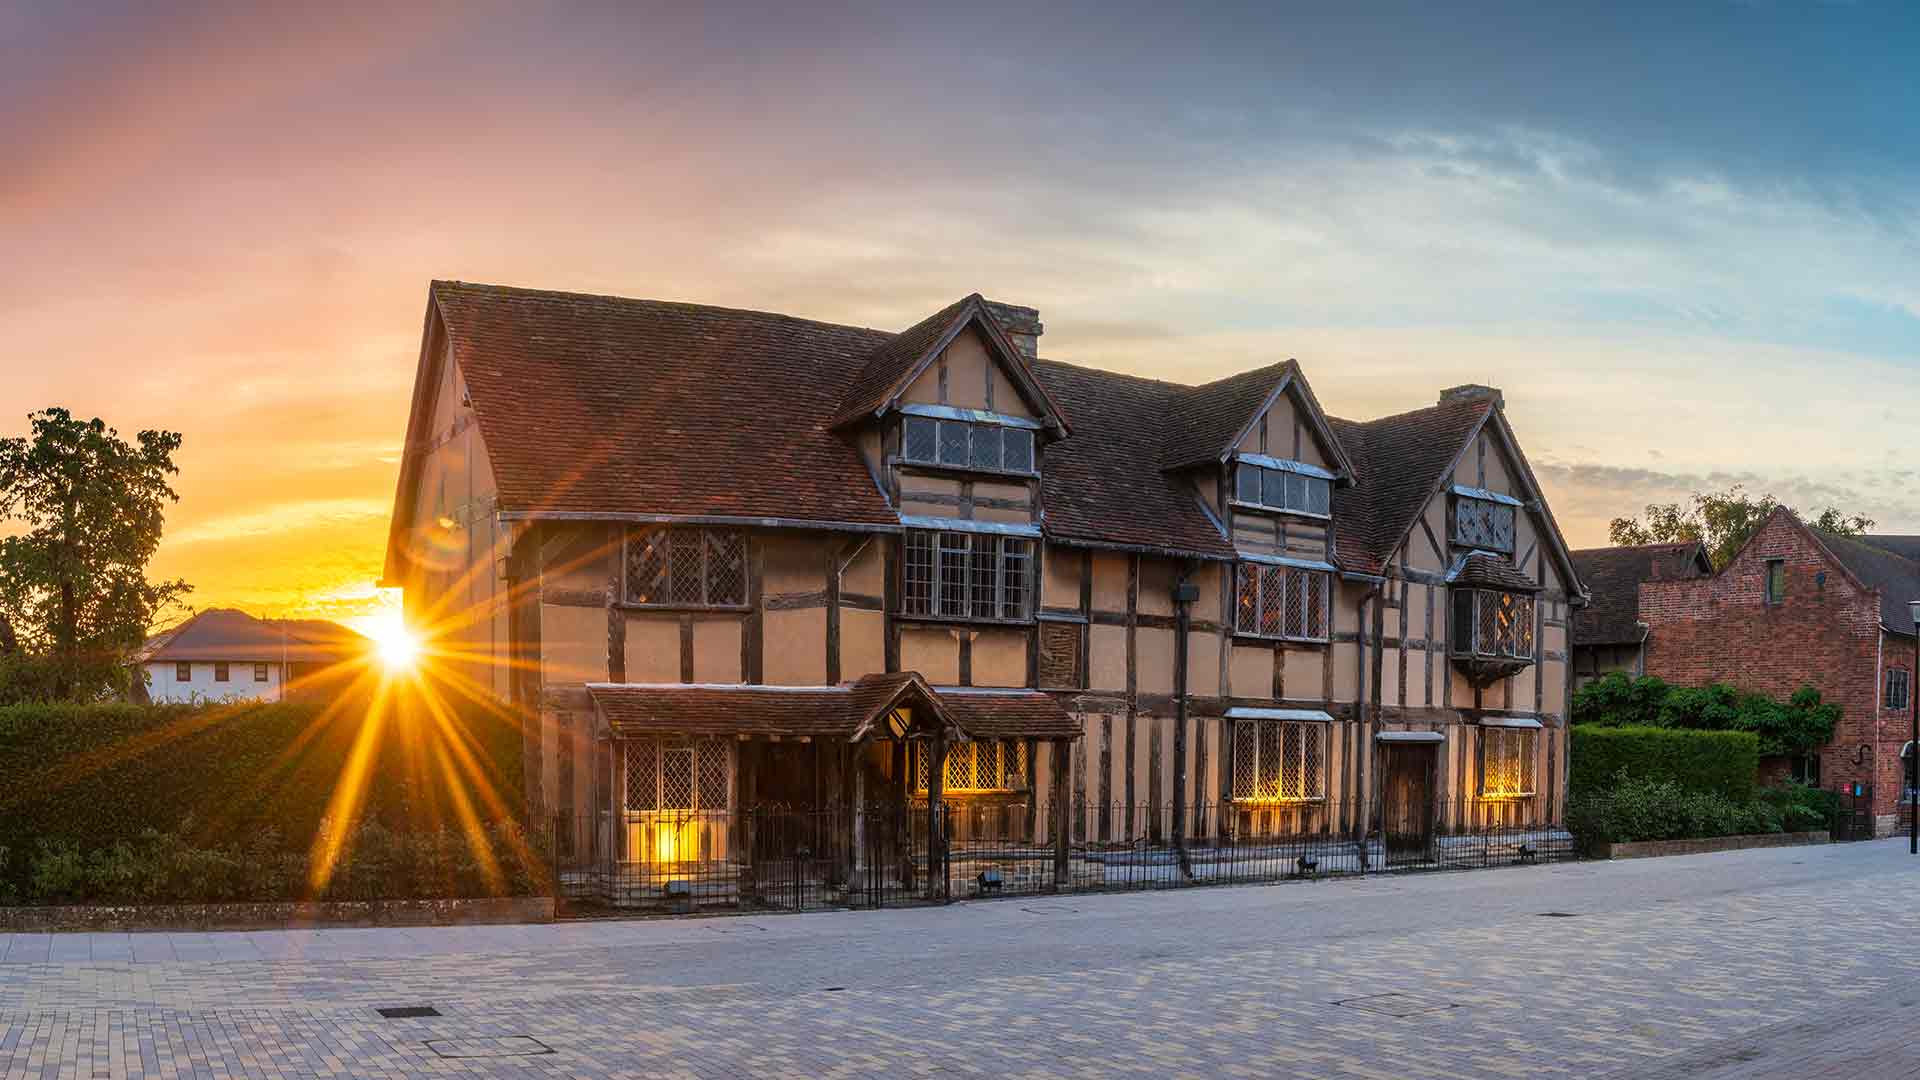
x=1472, y=392
x=1021, y=324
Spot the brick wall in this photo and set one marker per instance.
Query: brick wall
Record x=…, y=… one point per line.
x=1824, y=633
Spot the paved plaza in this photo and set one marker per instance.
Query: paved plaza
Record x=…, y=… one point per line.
x=1793, y=962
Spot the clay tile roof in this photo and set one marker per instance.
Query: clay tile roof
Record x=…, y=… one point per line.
x=888, y=364
x=823, y=711
x=1614, y=574
x=1105, y=485
x=1203, y=421
x=1479, y=568
x=1880, y=563
x=237, y=637
x=600, y=404
x=1400, y=461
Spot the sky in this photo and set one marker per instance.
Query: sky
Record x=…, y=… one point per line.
x=1683, y=239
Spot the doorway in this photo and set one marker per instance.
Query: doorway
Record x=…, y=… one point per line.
x=1406, y=804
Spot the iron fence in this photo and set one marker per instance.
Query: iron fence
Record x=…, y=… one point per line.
x=786, y=859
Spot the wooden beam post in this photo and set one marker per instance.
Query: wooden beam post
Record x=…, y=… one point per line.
x=936, y=840
x=1062, y=874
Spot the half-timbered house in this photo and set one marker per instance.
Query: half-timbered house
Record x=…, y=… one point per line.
x=728, y=559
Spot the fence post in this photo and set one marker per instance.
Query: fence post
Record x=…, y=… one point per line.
x=1062, y=875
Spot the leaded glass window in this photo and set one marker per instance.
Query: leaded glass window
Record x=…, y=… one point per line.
x=1279, y=760
x=966, y=444
x=1507, y=761
x=1491, y=623
x=1282, y=489
x=676, y=773
x=679, y=566
x=977, y=765
x=1281, y=602
x=1483, y=524
x=959, y=575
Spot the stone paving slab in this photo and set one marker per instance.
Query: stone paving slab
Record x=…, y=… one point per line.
x=1785, y=962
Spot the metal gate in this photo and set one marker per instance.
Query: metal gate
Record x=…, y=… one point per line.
x=1853, y=817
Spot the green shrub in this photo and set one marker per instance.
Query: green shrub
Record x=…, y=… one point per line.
x=1798, y=726
x=1638, y=808
x=1716, y=762
x=174, y=803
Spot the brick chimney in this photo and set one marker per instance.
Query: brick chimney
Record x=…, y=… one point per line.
x=1022, y=324
x=1472, y=392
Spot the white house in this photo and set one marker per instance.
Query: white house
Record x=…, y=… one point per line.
x=227, y=655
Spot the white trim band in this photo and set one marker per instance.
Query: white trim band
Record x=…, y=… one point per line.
x=1283, y=465
x=1509, y=721
x=1241, y=712
x=1002, y=528
x=976, y=416
x=1282, y=560
x=1483, y=493
x=1411, y=737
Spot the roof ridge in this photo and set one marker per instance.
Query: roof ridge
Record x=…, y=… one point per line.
x=566, y=294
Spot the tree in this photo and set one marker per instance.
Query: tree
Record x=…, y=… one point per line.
x=1722, y=520
x=73, y=585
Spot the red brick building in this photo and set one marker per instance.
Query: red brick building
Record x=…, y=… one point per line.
x=1798, y=608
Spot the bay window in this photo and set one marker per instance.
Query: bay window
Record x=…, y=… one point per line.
x=1282, y=489
x=965, y=575
x=1287, y=602
x=966, y=444
x=1492, y=624
x=1279, y=760
x=1482, y=524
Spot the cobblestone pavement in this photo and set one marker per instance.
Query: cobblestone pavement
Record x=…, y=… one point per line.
x=1783, y=962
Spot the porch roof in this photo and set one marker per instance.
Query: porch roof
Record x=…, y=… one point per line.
x=850, y=710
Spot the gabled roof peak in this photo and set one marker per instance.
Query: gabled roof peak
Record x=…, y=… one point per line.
x=896, y=362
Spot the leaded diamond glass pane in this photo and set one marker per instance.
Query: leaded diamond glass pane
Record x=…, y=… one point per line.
x=1296, y=491
x=953, y=442
x=1272, y=599
x=1292, y=760
x=1296, y=617
x=959, y=774
x=922, y=753
x=1246, y=760
x=982, y=578
x=918, y=577
x=1273, y=488
x=685, y=560
x=952, y=598
x=1016, y=561
x=646, y=566
x=1523, y=627
x=726, y=567
x=676, y=776
x=1246, y=607
x=1319, y=495
x=1314, y=757
x=1017, y=771
x=1269, y=775
x=1019, y=449
x=1317, y=605
x=714, y=757
x=643, y=774
x=986, y=447
x=1246, y=481
x=920, y=439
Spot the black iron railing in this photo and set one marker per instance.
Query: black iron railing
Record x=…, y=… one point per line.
x=779, y=858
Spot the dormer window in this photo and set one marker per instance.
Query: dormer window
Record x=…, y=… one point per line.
x=966, y=444
x=1283, y=485
x=1482, y=523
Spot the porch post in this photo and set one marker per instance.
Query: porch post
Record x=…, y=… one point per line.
x=901, y=847
x=1059, y=819
x=936, y=842
x=859, y=821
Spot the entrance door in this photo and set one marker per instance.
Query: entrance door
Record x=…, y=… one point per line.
x=1406, y=804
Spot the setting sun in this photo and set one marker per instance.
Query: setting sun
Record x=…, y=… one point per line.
x=394, y=642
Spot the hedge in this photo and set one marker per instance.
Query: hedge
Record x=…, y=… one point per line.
x=1721, y=763
x=218, y=777
x=1637, y=809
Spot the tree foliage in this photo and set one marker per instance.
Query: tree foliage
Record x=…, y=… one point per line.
x=1797, y=726
x=75, y=601
x=1722, y=520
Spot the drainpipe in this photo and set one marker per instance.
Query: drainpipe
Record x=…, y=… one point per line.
x=1185, y=592
x=1363, y=787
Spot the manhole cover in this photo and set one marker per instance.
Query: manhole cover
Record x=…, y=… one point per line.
x=407, y=1012
x=1559, y=914
x=1396, y=1004
x=502, y=1046
x=738, y=928
x=1050, y=910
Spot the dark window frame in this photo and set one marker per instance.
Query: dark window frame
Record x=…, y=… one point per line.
x=260, y=672
x=969, y=457
x=708, y=541
x=1251, y=605
x=927, y=556
x=182, y=671
x=1279, y=762
x=1316, y=492
x=222, y=671
x=1515, y=753
x=1774, y=583
x=1896, y=693
x=1011, y=768
x=1468, y=644
x=1457, y=537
